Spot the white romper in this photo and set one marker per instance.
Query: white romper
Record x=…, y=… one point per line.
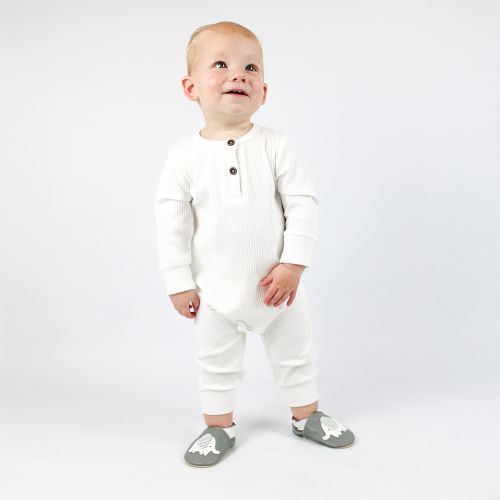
x=227, y=213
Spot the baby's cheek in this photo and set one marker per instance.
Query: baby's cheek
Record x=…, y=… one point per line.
x=213, y=83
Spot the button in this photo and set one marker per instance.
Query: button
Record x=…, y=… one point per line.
x=233, y=170
x=230, y=142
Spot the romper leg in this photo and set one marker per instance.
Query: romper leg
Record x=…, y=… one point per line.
x=288, y=344
x=220, y=360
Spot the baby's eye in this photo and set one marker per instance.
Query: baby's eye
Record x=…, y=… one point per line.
x=250, y=65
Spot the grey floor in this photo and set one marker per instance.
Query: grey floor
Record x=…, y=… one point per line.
x=83, y=437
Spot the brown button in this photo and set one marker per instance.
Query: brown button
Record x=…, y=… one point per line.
x=230, y=142
x=233, y=170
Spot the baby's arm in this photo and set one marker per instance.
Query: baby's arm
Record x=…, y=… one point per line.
x=175, y=224
x=300, y=208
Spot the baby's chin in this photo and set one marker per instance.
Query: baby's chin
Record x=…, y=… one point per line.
x=231, y=110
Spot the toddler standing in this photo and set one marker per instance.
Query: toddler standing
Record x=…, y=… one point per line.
x=236, y=219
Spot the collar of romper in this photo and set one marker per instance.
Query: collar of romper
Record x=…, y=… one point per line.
x=224, y=142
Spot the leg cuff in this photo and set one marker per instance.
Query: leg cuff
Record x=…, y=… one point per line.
x=217, y=402
x=303, y=394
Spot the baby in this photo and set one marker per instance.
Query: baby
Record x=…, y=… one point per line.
x=236, y=216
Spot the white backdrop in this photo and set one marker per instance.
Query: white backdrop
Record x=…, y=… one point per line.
x=394, y=104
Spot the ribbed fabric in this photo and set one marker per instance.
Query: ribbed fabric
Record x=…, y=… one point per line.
x=227, y=214
x=288, y=344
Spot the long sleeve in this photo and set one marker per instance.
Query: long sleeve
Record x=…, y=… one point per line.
x=300, y=205
x=174, y=221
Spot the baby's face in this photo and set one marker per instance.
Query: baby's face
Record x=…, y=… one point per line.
x=225, y=62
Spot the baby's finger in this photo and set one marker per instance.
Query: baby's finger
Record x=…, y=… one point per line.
x=281, y=300
x=269, y=295
x=186, y=311
x=277, y=297
x=266, y=280
x=194, y=304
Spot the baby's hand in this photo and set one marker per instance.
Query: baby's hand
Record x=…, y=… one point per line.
x=284, y=279
x=184, y=301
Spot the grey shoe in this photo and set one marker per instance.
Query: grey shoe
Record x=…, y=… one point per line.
x=209, y=447
x=324, y=430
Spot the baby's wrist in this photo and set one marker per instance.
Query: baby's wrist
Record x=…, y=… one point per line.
x=293, y=267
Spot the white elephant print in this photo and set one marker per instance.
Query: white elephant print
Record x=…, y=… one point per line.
x=331, y=427
x=204, y=445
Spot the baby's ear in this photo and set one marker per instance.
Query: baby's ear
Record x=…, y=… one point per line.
x=189, y=88
x=265, y=87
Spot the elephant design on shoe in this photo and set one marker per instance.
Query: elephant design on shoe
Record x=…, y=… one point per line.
x=204, y=445
x=331, y=427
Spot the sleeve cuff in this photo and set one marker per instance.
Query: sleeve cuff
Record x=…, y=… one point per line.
x=178, y=279
x=297, y=250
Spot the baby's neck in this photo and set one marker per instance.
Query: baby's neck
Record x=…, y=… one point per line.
x=218, y=133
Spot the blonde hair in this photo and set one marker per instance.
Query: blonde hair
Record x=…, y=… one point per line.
x=226, y=27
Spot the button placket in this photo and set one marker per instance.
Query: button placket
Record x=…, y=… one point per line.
x=233, y=178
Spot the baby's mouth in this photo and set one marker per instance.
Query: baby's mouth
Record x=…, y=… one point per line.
x=232, y=92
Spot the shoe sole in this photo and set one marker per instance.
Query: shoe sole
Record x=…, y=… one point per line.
x=316, y=442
